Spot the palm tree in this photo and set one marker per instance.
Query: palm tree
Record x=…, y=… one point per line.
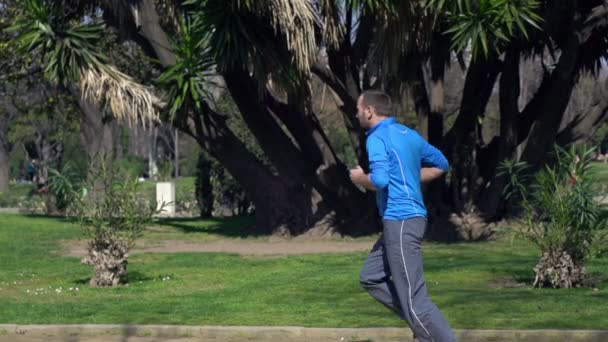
x=352, y=45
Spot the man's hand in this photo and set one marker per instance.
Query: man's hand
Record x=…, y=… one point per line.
x=359, y=177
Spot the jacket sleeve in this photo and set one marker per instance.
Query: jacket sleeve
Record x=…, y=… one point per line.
x=432, y=157
x=378, y=161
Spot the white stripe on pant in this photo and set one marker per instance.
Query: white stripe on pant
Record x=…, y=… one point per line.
x=393, y=274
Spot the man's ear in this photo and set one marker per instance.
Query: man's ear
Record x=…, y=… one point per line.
x=368, y=112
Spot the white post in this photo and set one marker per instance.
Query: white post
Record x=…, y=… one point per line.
x=165, y=193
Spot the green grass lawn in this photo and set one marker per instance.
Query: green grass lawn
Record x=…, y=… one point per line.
x=314, y=290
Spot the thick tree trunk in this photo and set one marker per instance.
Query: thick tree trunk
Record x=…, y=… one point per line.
x=290, y=162
x=330, y=175
x=98, y=141
x=97, y=136
x=422, y=100
x=440, y=56
x=551, y=102
x=462, y=141
x=503, y=147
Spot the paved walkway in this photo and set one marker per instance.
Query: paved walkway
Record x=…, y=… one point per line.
x=149, y=333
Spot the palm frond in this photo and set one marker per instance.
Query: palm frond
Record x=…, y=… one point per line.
x=260, y=36
x=331, y=17
x=69, y=53
x=125, y=98
x=296, y=20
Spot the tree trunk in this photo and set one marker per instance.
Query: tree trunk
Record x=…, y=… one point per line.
x=551, y=101
x=503, y=146
x=310, y=165
x=584, y=125
x=440, y=56
x=5, y=166
x=462, y=141
x=290, y=162
x=8, y=113
x=97, y=135
x=152, y=153
x=98, y=141
x=330, y=175
x=344, y=66
x=280, y=208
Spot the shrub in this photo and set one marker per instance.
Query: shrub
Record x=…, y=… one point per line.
x=562, y=216
x=112, y=220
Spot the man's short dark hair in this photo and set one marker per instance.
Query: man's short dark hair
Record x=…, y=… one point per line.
x=379, y=100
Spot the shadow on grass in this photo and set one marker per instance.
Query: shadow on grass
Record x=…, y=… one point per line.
x=235, y=227
x=134, y=276
x=131, y=277
x=83, y=281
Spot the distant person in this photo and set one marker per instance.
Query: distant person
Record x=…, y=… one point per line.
x=400, y=160
x=31, y=170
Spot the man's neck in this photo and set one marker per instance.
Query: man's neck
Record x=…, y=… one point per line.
x=378, y=119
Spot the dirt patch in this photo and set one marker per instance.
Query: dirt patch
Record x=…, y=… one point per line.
x=241, y=247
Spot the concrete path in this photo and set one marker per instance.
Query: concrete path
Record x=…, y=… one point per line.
x=149, y=333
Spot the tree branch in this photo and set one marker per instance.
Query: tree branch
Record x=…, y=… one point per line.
x=598, y=18
x=326, y=75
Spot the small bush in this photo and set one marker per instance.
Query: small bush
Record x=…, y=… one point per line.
x=562, y=216
x=65, y=187
x=113, y=216
x=133, y=165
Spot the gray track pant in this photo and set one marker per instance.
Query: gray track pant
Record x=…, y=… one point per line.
x=393, y=275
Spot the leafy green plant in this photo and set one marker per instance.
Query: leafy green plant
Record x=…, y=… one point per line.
x=562, y=216
x=134, y=166
x=486, y=24
x=64, y=185
x=187, y=81
x=112, y=220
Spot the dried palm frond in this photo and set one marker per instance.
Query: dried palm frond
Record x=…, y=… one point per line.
x=296, y=20
x=122, y=95
x=333, y=30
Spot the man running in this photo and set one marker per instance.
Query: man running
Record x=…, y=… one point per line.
x=400, y=160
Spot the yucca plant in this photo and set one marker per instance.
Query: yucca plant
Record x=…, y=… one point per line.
x=486, y=25
x=67, y=48
x=64, y=185
x=562, y=217
x=186, y=82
